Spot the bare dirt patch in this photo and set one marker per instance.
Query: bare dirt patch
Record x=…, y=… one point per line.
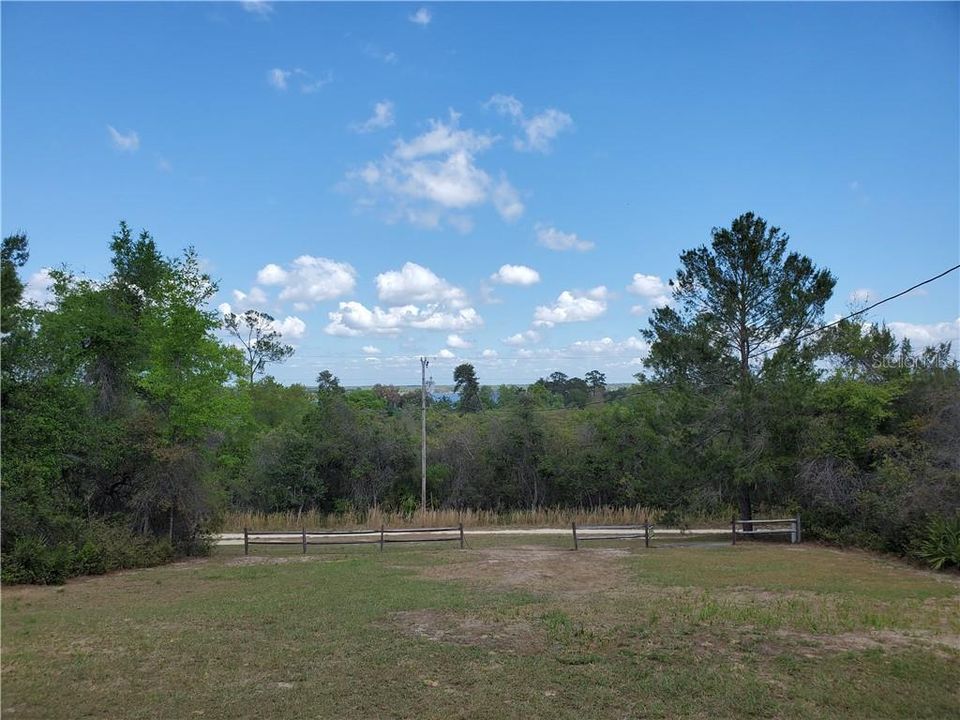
x=815, y=645
x=537, y=568
x=512, y=636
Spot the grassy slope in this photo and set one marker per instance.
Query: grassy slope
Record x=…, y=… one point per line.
x=718, y=632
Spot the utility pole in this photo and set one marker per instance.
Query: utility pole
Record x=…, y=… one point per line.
x=424, y=363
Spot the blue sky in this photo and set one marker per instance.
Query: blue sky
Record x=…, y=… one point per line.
x=364, y=171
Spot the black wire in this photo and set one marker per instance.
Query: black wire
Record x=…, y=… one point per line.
x=807, y=334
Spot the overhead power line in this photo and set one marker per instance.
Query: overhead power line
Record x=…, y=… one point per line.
x=820, y=329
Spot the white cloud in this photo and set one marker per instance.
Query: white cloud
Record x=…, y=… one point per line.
x=371, y=349
x=382, y=118
x=421, y=17
x=291, y=327
x=522, y=338
x=572, y=306
x=455, y=341
x=416, y=284
x=446, y=354
x=310, y=279
x=224, y=308
x=126, y=143
x=262, y=8
x=434, y=178
x=515, y=275
x=256, y=296
x=539, y=130
x=607, y=346
x=921, y=335
x=506, y=200
x=278, y=78
x=387, y=56
x=653, y=289
x=309, y=83
x=555, y=239
x=860, y=296
x=489, y=354
x=39, y=287
x=353, y=318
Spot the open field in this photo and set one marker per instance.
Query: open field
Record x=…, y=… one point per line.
x=508, y=628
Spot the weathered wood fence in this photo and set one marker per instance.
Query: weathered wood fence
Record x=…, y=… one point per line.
x=381, y=537
x=611, y=532
x=783, y=526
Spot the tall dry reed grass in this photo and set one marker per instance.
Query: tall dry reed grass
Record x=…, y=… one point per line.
x=374, y=517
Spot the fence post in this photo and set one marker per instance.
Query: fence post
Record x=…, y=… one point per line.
x=733, y=529
x=574, y=526
x=795, y=535
x=246, y=543
x=461, y=536
x=304, y=528
x=381, y=537
x=646, y=534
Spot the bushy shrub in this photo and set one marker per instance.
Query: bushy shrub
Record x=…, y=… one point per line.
x=939, y=545
x=101, y=547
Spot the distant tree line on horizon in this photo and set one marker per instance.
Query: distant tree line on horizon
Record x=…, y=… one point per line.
x=130, y=422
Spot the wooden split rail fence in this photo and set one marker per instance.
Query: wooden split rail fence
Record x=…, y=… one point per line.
x=611, y=532
x=784, y=526
x=350, y=537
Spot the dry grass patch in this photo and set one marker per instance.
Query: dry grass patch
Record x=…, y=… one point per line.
x=502, y=635
x=537, y=569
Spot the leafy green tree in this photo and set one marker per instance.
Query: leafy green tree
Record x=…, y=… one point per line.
x=13, y=255
x=733, y=302
x=468, y=387
x=261, y=341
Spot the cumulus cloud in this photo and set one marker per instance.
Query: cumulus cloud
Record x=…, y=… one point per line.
x=434, y=178
x=653, y=289
x=608, y=346
x=306, y=81
x=256, y=296
x=572, y=306
x=291, y=327
x=353, y=319
x=39, y=288
x=414, y=284
x=489, y=354
x=421, y=17
x=539, y=131
x=522, y=338
x=310, y=279
x=921, y=335
x=555, y=239
x=129, y=142
x=382, y=118
x=455, y=341
x=446, y=354
x=371, y=350
x=515, y=275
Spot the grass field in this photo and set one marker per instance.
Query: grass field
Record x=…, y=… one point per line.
x=499, y=630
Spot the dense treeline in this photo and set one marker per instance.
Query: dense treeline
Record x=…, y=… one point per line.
x=131, y=420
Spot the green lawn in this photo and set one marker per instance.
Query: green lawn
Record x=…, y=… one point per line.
x=507, y=628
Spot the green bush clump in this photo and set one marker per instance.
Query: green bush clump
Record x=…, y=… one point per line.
x=102, y=547
x=939, y=546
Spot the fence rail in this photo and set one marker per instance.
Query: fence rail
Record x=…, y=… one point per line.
x=792, y=528
x=379, y=537
x=631, y=532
